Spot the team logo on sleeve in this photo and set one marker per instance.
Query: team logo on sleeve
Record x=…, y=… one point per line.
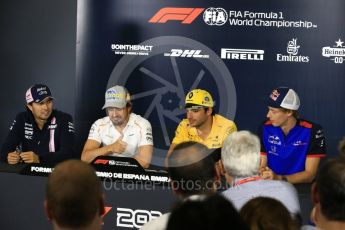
x=70, y=127
x=12, y=125
x=319, y=134
x=148, y=134
x=28, y=131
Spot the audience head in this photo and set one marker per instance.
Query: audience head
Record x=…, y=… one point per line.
x=192, y=169
x=264, y=213
x=241, y=154
x=329, y=191
x=205, y=213
x=74, y=197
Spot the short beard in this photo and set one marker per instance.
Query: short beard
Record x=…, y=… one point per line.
x=118, y=122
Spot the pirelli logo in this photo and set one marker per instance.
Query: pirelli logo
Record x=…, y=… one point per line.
x=185, y=15
x=242, y=54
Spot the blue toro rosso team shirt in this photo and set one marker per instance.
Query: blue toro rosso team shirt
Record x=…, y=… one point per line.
x=287, y=154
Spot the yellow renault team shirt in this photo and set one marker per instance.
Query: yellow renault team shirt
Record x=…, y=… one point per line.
x=221, y=128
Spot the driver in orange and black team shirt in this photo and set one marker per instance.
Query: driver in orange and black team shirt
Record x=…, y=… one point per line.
x=41, y=133
x=291, y=147
x=202, y=124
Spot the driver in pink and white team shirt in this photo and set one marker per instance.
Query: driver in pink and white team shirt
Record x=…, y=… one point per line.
x=121, y=133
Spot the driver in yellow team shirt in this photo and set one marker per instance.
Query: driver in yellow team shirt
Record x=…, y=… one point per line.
x=202, y=124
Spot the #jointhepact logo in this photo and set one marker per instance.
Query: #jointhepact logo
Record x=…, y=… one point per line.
x=337, y=53
x=292, y=49
x=186, y=53
x=215, y=16
x=137, y=50
x=185, y=15
x=242, y=54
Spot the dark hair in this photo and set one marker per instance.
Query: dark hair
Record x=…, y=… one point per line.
x=206, y=213
x=213, y=111
x=265, y=213
x=188, y=105
x=130, y=106
x=74, y=194
x=295, y=113
x=192, y=168
x=331, y=189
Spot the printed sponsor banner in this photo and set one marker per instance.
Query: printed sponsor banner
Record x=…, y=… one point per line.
x=238, y=52
x=336, y=53
x=125, y=170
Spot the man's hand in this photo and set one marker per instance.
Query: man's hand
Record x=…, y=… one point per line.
x=267, y=174
x=13, y=158
x=119, y=146
x=220, y=168
x=30, y=157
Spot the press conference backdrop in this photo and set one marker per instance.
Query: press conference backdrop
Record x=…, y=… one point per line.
x=237, y=50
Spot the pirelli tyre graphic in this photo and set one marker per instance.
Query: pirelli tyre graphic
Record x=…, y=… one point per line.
x=169, y=68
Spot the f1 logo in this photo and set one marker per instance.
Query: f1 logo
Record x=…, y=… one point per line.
x=101, y=161
x=186, y=15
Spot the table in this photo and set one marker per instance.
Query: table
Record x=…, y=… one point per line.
x=130, y=204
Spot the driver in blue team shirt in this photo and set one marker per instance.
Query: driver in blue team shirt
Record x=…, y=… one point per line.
x=291, y=147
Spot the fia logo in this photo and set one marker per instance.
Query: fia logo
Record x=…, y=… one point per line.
x=215, y=16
